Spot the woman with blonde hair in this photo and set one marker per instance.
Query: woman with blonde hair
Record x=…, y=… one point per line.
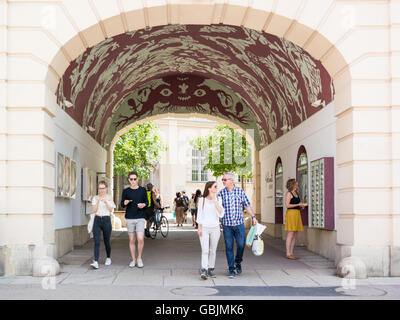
x=103, y=206
x=293, y=222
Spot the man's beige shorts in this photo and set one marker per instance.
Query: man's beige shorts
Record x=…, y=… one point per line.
x=135, y=225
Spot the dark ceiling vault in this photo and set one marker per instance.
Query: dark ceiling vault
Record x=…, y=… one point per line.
x=254, y=79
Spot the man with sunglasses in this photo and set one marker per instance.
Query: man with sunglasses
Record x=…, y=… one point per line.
x=134, y=198
x=233, y=201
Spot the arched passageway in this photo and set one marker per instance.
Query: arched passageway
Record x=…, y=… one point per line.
x=261, y=83
x=353, y=42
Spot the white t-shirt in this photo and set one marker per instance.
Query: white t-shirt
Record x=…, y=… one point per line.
x=209, y=216
x=102, y=209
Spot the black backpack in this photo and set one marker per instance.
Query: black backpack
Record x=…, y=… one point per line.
x=186, y=202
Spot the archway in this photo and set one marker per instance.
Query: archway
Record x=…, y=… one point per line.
x=342, y=49
x=177, y=130
x=256, y=80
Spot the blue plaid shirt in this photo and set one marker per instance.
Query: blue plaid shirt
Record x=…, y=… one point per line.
x=233, y=203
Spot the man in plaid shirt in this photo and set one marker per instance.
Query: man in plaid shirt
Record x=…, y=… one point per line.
x=233, y=201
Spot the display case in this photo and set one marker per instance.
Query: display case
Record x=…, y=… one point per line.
x=322, y=194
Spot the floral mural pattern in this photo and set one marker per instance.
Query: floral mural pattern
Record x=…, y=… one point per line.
x=271, y=81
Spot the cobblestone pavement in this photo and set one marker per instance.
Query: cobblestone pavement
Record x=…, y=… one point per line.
x=171, y=271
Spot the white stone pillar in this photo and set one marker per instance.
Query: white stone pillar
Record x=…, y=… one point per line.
x=394, y=15
x=364, y=154
x=30, y=177
x=3, y=132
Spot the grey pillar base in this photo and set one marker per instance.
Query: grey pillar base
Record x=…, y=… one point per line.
x=18, y=259
x=395, y=261
x=380, y=261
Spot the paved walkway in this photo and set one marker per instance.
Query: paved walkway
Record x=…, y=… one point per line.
x=172, y=272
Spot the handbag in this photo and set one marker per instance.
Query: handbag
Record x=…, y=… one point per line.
x=90, y=223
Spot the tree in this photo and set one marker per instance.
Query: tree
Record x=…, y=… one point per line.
x=226, y=151
x=139, y=149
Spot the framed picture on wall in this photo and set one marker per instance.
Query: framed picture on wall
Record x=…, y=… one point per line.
x=67, y=177
x=89, y=185
x=73, y=180
x=93, y=180
x=86, y=185
x=60, y=175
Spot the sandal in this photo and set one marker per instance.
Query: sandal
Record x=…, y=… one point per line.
x=291, y=257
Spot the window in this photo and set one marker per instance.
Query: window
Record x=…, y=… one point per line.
x=302, y=179
x=239, y=179
x=302, y=174
x=278, y=183
x=198, y=162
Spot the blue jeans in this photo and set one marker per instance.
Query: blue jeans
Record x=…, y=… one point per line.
x=102, y=224
x=231, y=233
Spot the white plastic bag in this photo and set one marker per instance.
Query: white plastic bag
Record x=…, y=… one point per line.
x=258, y=244
x=90, y=223
x=260, y=228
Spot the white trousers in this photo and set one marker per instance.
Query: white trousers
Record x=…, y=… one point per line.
x=209, y=243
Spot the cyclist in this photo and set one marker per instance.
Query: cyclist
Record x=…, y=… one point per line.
x=158, y=197
x=151, y=197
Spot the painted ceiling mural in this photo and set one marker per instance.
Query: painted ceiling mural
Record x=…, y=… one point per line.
x=181, y=93
x=252, y=78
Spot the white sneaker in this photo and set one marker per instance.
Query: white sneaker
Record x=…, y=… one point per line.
x=108, y=262
x=132, y=264
x=140, y=263
x=95, y=265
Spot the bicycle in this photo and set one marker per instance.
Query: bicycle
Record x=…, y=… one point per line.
x=159, y=222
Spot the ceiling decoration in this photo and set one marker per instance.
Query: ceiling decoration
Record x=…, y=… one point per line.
x=181, y=93
x=271, y=81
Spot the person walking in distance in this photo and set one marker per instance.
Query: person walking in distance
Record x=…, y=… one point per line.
x=186, y=203
x=293, y=223
x=209, y=212
x=192, y=205
x=103, y=205
x=233, y=201
x=134, y=198
x=196, y=201
x=179, y=207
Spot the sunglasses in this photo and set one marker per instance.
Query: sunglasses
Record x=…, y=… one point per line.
x=132, y=179
x=102, y=188
x=226, y=179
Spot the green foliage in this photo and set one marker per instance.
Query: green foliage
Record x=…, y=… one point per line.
x=226, y=151
x=139, y=149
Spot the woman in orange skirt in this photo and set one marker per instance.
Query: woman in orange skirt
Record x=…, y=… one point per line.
x=293, y=222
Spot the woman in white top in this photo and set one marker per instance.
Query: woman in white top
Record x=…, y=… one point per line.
x=209, y=211
x=103, y=206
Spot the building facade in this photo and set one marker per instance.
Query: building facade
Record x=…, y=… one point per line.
x=314, y=79
x=180, y=167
